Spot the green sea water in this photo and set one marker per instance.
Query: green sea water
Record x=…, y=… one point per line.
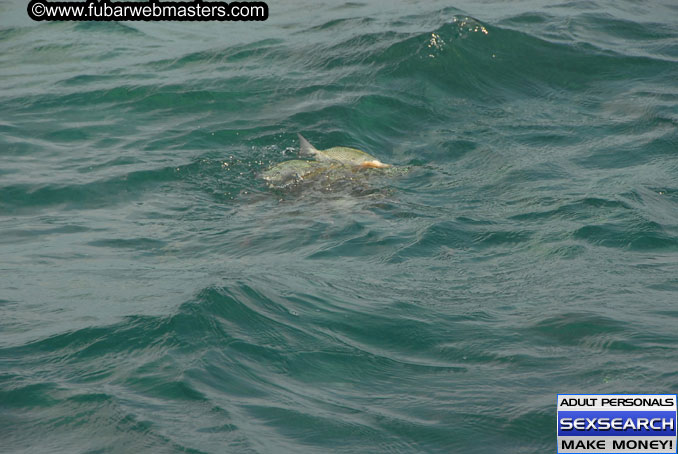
x=157, y=296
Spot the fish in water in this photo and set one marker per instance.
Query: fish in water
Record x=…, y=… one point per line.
x=293, y=170
x=342, y=155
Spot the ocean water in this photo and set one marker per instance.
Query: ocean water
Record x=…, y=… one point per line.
x=156, y=296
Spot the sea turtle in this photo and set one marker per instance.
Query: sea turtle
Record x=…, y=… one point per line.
x=343, y=155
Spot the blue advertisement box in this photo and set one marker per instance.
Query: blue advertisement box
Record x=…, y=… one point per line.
x=617, y=423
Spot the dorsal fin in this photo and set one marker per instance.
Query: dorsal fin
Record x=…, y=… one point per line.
x=306, y=148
